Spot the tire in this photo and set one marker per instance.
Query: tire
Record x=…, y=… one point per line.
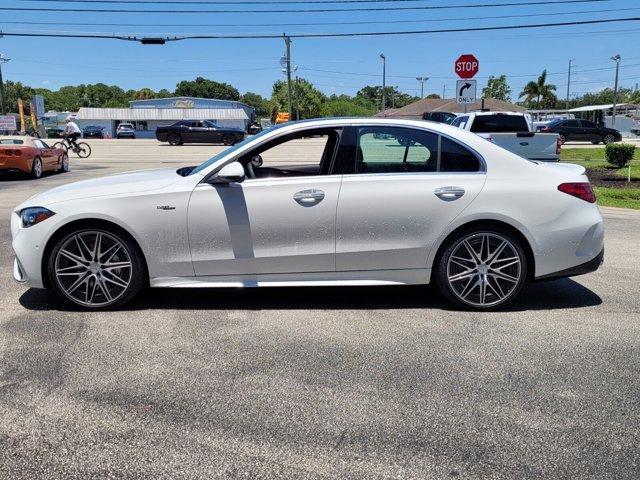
x=562, y=138
x=608, y=138
x=64, y=163
x=174, y=139
x=228, y=139
x=62, y=146
x=36, y=168
x=84, y=280
x=83, y=150
x=475, y=285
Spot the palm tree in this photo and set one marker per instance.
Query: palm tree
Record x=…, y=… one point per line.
x=539, y=89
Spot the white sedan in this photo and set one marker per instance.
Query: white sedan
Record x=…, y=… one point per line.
x=321, y=202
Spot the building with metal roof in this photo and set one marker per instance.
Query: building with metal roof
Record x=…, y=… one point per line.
x=147, y=115
x=416, y=110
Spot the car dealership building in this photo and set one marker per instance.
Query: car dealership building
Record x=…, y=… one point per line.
x=147, y=115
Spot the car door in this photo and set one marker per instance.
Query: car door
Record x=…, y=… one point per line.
x=408, y=184
x=47, y=154
x=214, y=134
x=279, y=222
x=571, y=130
x=589, y=131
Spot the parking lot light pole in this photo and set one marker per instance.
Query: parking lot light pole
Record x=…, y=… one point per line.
x=384, y=80
x=3, y=98
x=287, y=42
x=422, y=80
x=568, y=85
x=615, y=58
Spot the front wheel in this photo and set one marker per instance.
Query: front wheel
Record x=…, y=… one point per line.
x=482, y=269
x=228, y=139
x=608, y=139
x=83, y=150
x=95, y=269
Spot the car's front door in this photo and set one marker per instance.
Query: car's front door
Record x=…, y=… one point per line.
x=590, y=131
x=47, y=154
x=408, y=185
x=279, y=221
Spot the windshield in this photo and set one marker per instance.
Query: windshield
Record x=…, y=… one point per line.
x=232, y=149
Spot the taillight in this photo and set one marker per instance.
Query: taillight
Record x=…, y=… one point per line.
x=581, y=190
x=17, y=153
x=558, y=146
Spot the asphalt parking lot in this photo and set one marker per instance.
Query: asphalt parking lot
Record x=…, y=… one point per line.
x=383, y=382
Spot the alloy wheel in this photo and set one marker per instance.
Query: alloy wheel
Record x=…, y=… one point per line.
x=37, y=168
x=484, y=269
x=608, y=139
x=93, y=268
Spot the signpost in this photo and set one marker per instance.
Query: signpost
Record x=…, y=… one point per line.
x=38, y=101
x=8, y=123
x=466, y=67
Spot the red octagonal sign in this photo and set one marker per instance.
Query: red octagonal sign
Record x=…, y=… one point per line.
x=467, y=66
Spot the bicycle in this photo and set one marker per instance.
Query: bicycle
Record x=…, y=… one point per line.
x=82, y=149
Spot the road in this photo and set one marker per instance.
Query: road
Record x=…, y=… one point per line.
x=319, y=383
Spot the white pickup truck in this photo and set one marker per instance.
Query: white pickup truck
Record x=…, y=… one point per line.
x=511, y=131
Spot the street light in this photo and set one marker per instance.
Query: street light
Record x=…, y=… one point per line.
x=615, y=58
x=384, y=80
x=422, y=80
x=3, y=99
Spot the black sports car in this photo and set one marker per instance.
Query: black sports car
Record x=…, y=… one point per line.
x=198, y=131
x=581, y=131
x=91, y=131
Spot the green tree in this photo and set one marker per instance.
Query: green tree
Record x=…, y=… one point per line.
x=204, y=88
x=144, y=94
x=258, y=102
x=540, y=90
x=14, y=91
x=433, y=95
x=393, y=97
x=164, y=93
x=497, y=88
x=306, y=97
x=346, y=106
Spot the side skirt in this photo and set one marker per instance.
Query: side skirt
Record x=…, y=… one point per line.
x=313, y=279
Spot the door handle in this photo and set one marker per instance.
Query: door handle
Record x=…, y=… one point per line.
x=307, y=198
x=449, y=193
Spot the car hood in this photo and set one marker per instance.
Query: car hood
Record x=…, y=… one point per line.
x=112, y=185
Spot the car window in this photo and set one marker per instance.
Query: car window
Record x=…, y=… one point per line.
x=395, y=150
x=588, y=124
x=11, y=141
x=499, y=123
x=456, y=158
x=457, y=122
x=198, y=124
x=570, y=123
x=39, y=143
x=448, y=117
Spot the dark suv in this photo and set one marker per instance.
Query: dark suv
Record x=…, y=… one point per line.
x=581, y=131
x=440, y=117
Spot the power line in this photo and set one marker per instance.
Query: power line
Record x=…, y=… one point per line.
x=313, y=10
x=222, y=2
x=306, y=24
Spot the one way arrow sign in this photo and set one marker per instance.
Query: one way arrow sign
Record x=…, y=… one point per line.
x=466, y=91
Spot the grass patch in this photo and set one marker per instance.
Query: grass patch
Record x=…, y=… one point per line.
x=592, y=158
x=618, y=197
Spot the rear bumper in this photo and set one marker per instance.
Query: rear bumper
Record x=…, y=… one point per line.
x=587, y=267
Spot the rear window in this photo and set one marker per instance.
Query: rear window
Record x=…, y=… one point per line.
x=11, y=141
x=499, y=124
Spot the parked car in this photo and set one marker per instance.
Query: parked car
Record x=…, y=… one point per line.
x=54, y=132
x=125, y=130
x=440, y=117
x=581, y=131
x=511, y=131
x=31, y=156
x=92, y=131
x=254, y=128
x=198, y=131
x=430, y=203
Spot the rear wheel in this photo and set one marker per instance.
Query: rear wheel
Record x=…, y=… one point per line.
x=562, y=138
x=83, y=150
x=228, y=139
x=36, y=168
x=174, y=139
x=95, y=269
x=482, y=269
x=608, y=138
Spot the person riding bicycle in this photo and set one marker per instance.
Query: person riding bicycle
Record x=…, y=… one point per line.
x=72, y=132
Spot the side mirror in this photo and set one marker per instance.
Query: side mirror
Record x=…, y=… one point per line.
x=230, y=173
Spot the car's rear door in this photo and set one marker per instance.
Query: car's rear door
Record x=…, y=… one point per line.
x=406, y=186
x=279, y=222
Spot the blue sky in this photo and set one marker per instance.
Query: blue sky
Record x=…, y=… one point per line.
x=334, y=65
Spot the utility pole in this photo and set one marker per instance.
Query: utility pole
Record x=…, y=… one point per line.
x=287, y=42
x=3, y=59
x=384, y=81
x=444, y=89
x=568, y=85
x=615, y=58
x=422, y=80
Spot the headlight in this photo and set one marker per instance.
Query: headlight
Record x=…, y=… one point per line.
x=33, y=215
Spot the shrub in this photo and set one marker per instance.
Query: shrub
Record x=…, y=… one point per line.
x=619, y=154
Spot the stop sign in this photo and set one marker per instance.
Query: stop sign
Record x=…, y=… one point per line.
x=467, y=66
